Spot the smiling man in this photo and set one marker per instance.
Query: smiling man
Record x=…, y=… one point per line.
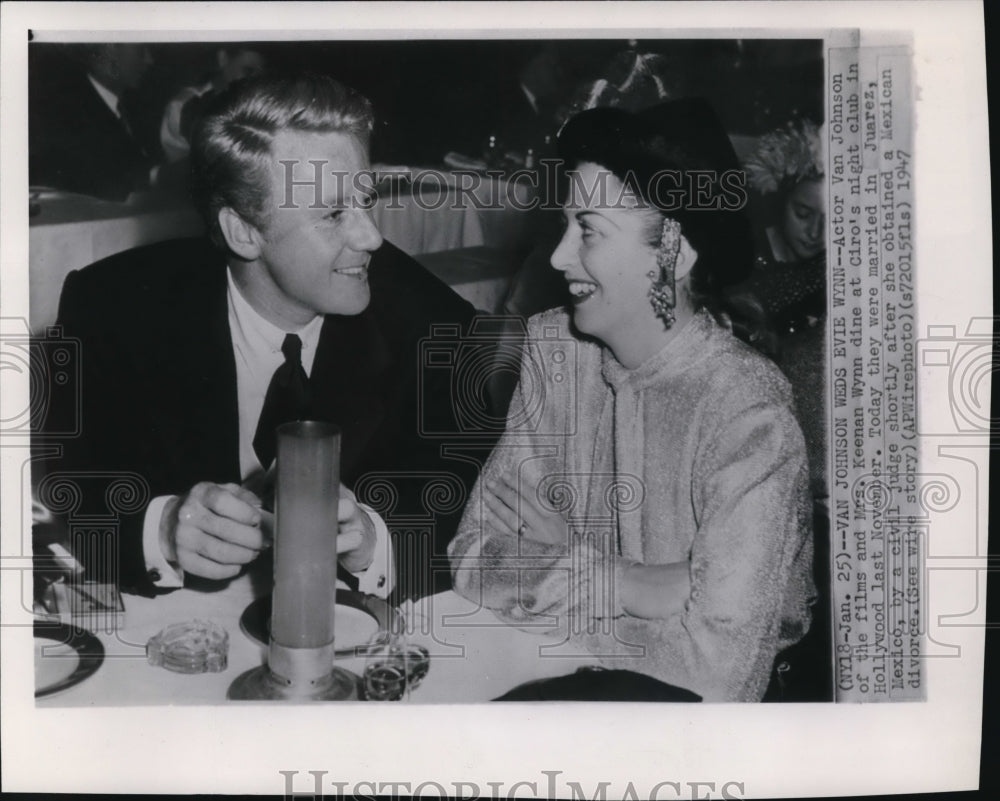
x=192, y=353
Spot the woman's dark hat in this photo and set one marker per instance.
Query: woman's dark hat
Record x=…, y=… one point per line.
x=679, y=158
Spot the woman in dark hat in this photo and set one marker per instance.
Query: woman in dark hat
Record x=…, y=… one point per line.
x=649, y=499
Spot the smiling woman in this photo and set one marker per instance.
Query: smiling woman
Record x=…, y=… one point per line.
x=651, y=498
x=605, y=255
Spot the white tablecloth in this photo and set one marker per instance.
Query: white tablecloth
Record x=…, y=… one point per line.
x=432, y=214
x=72, y=231
x=474, y=657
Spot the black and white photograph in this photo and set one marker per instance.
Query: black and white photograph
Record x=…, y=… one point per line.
x=378, y=378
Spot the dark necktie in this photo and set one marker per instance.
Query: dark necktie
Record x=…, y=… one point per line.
x=288, y=398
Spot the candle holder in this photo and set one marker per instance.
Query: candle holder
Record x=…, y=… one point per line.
x=301, y=650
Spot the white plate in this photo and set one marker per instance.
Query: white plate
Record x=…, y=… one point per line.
x=358, y=619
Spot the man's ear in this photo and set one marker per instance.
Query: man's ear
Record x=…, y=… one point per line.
x=221, y=58
x=242, y=238
x=686, y=257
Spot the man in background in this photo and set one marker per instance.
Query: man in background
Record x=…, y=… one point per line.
x=81, y=132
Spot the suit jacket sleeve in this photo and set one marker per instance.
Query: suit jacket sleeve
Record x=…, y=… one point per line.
x=91, y=425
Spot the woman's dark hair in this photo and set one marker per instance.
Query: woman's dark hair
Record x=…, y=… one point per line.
x=677, y=157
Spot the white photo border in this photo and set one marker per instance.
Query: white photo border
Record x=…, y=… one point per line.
x=770, y=750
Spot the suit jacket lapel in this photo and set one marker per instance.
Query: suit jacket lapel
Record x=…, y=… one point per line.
x=350, y=382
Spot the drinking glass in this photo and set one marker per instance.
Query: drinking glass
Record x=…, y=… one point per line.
x=394, y=667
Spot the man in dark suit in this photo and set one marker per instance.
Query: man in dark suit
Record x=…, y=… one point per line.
x=183, y=346
x=82, y=137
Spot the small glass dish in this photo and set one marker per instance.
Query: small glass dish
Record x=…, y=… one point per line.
x=196, y=646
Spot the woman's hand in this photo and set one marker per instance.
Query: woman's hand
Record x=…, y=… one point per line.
x=512, y=506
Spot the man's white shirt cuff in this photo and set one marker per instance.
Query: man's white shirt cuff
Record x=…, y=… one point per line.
x=159, y=570
x=379, y=578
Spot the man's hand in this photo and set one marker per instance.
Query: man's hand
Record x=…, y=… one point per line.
x=356, y=542
x=213, y=530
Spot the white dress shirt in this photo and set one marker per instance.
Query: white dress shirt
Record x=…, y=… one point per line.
x=257, y=351
x=110, y=98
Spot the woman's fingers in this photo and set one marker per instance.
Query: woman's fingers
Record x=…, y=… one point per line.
x=502, y=489
x=515, y=509
x=499, y=511
x=537, y=522
x=527, y=504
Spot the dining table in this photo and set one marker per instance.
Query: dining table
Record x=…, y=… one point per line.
x=473, y=656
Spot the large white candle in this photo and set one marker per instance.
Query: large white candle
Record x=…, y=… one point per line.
x=305, y=534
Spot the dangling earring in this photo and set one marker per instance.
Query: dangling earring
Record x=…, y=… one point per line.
x=662, y=293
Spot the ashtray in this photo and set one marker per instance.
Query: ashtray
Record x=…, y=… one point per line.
x=196, y=646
